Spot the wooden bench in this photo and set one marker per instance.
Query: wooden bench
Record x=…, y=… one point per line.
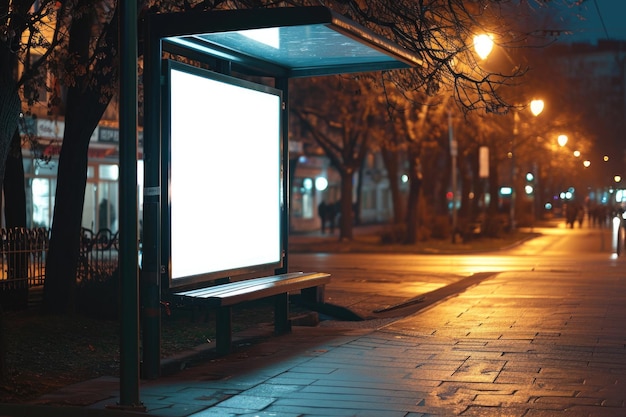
x=223, y=297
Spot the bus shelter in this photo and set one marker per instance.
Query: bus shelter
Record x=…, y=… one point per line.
x=277, y=43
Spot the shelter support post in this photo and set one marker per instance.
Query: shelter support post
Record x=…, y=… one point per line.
x=151, y=253
x=129, y=271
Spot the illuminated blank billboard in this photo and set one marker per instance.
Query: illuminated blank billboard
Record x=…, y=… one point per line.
x=222, y=136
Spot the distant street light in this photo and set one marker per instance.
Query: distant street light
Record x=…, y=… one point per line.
x=321, y=183
x=562, y=140
x=536, y=107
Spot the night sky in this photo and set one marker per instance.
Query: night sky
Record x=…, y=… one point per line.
x=601, y=19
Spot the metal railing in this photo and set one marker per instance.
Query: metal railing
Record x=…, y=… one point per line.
x=22, y=257
x=98, y=258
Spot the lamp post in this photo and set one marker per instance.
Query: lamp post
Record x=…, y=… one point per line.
x=454, y=149
x=536, y=107
x=483, y=44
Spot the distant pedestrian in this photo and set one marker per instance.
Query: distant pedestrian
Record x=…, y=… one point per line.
x=322, y=211
x=107, y=215
x=571, y=214
x=580, y=215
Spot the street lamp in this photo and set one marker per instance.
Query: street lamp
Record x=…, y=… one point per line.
x=536, y=107
x=562, y=140
x=483, y=44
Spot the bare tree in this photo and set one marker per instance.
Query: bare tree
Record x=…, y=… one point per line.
x=19, y=33
x=88, y=63
x=341, y=130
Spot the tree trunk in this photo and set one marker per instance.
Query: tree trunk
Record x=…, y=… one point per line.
x=415, y=185
x=10, y=107
x=356, y=206
x=345, y=221
x=390, y=159
x=468, y=167
x=64, y=248
x=15, y=216
x=14, y=187
x=10, y=104
x=9, y=116
x=494, y=191
x=85, y=106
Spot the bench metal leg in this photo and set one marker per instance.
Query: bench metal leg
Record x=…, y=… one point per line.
x=281, y=314
x=313, y=295
x=223, y=330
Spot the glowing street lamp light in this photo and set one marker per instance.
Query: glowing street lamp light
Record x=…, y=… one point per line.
x=587, y=163
x=536, y=107
x=483, y=44
x=562, y=140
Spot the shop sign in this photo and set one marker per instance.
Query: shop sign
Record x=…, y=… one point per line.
x=54, y=129
x=50, y=129
x=112, y=135
x=109, y=135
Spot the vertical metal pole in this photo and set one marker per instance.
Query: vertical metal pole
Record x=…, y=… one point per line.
x=283, y=85
x=453, y=154
x=151, y=250
x=129, y=270
x=513, y=172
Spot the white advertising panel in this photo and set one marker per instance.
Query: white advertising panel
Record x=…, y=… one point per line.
x=224, y=174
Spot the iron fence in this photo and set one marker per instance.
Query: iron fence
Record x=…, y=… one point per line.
x=22, y=257
x=98, y=255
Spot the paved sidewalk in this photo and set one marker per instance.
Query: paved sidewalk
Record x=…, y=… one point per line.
x=505, y=347
x=547, y=342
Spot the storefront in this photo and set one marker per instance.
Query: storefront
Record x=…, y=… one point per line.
x=101, y=192
x=315, y=181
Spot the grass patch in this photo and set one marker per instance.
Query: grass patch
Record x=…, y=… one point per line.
x=45, y=353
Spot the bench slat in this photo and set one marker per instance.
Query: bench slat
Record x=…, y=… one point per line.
x=255, y=288
x=202, y=292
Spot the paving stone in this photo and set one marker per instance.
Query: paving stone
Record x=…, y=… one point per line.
x=549, y=342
